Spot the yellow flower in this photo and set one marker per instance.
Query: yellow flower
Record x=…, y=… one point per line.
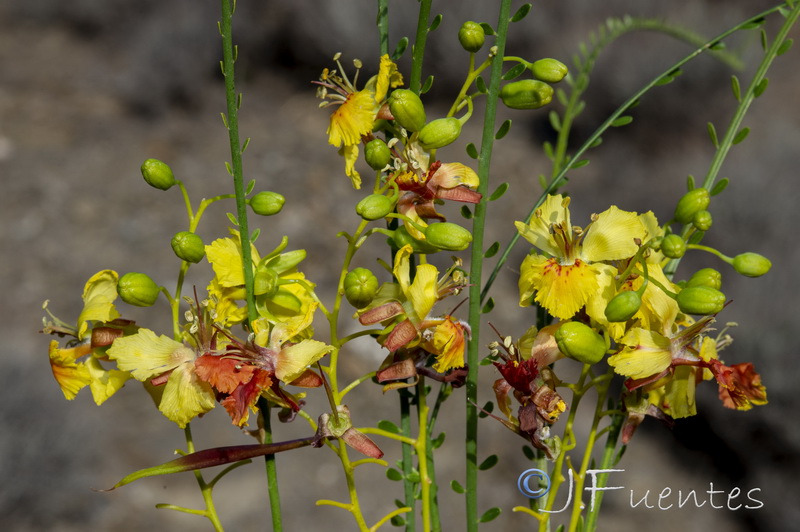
x=570, y=272
x=352, y=119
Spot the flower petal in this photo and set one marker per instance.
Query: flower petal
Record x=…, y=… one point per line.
x=186, y=396
x=611, y=236
x=554, y=210
x=70, y=375
x=146, y=355
x=292, y=361
x=98, y=298
x=105, y=383
x=422, y=294
x=646, y=353
x=562, y=290
x=352, y=119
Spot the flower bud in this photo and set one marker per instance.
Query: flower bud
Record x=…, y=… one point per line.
x=402, y=238
x=623, y=306
x=549, y=70
x=702, y=300
x=673, y=246
x=705, y=277
x=691, y=203
x=580, y=342
x=751, y=264
x=158, y=174
x=265, y=282
x=439, y=133
x=526, y=94
x=137, y=289
x=471, y=36
x=377, y=154
x=407, y=109
x=267, y=203
x=188, y=246
x=360, y=287
x=374, y=206
x=702, y=220
x=448, y=236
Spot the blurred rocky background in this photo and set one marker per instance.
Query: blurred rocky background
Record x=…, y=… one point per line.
x=90, y=88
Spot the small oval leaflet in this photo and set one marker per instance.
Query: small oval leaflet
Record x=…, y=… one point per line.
x=521, y=13
x=503, y=131
x=402, y=44
x=490, y=515
x=489, y=463
x=498, y=192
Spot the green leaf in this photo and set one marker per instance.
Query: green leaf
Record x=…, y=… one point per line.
x=580, y=164
x=388, y=426
x=399, y=503
x=472, y=151
x=489, y=463
x=250, y=186
x=598, y=141
x=466, y=212
x=492, y=251
x=489, y=407
x=246, y=144
x=784, y=47
x=233, y=219
x=487, y=308
x=547, y=146
x=514, y=72
x=717, y=46
x=481, y=85
x=394, y=474
x=741, y=135
x=487, y=29
x=528, y=452
x=489, y=515
x=555, y=120
x=561, y=95
x=458, y=488
x=764, y=41
x=427, y=85
x=402, y=44
x=521, y=13
x=737, y=90
x=503, y=131
x=438, y=440
x=498, y=192
x=690, y=182
x=623, y=120
x=255, y=234
x=761, y=87
x=435, y=22
x=719, y=186
x=397, y=521
x=755, y=24
x=712, y=132
x=542, y=181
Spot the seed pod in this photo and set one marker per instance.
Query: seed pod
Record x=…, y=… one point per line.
x=407, y=109
x=402, y=238
x=706, y=277
x=702, y=220
x=691, y=203
x=673, y=246
x=549, y=70
x=377, y=154
x=188, y=246
x=374, y=207
x=137, y=289
x=526, y=94
x=158, y=174
x=751, y=264
x=448, y=236
x=360, y=287
x=439, y=133
x=267, y=203
x=471, y=36
x=580, y=342
x=623, y=306
x=701, y=300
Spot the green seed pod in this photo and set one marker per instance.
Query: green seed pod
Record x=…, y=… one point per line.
x=407, y=109
x=691, y=203
x=158, y=174
x=439, y=133
x=580, y=342
x=471, y=36
x=374, y=207
x=702, y=220
x=701, y=300
x=448, y=236
x=267, y=203
x=137, y=289
x=265, y=282
x=526, y=94
x=673, y=246
x=188, y=246
x=751, y=264
x=377, y=154
x=623, y=306
x=706, y=277
x=360, y=287
x=549, y=70
x=402, y=238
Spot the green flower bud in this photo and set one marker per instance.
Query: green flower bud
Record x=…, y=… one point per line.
x=137, y=289
x=526, y=94
x=580, y=342
x=702, y=220
x=377, y=154
x=267, y=203
x=439, y=133
x=360, y=287
x=702, y=300
x=448, y=236
x=374, y=206
x=407, y=109
x=751, y=264
x=265, y=282
x=623, y=306
x=471, y=36
x=673, y=246
x=158, y=174
x=691, y=203
x=402, y=238
x=706, y=277
x=549, y=70
x=188, y=246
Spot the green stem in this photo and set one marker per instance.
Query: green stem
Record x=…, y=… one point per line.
x=607, y=462
x=421, y=448
x=383, y=26
x=415, y=80
x=408, y=486
x=206, y=489
x=476, y=269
